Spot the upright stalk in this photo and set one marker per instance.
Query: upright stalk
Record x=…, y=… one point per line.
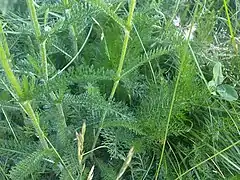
x=234, y=44
x=4, y=41
x=182, y=63
x=127, y=29
x=7, y=68
x=42, y=43
x=43, y=54
x=4, y=59
x=28, y=108
x=72, y=31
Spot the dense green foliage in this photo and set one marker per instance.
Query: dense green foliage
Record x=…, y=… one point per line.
x=176, y=97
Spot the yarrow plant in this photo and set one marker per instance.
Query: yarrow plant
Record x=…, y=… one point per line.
x=110, y=90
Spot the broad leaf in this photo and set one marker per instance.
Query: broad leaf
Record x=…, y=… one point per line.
x=227, y=92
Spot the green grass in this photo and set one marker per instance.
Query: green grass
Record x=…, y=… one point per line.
x=117, y=89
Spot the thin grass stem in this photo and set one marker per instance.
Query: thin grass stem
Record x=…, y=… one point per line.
x=9, y=124
x=211, y=157
x=234, y=44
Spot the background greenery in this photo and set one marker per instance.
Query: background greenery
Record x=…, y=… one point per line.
x=176, y=99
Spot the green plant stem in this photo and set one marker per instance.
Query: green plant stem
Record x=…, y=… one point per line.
x=234, y=44
x=145, y=52
x=72, y=31
x=42, y=49
x=60, y=158
x=34, y=19
x=183, y=58
x=75, y=57
x=169, y=117
x=9, y=73
x=120, y=66
x=4, y=173
x=42, y=43
x=4, y=41
x=9, y=124
x=124, y=49
x=99, y=131
x=74, y=39
x=43, y=53
x=65, y=2
x=28, y=108
x=17, y=88
x=119, y=70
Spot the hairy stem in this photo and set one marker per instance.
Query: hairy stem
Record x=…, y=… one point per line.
x=18, y=90
x=9, y=73
x=42, y=46
x=4, y=41
x=34, y=19
x=44, y=59
x=42, y=43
